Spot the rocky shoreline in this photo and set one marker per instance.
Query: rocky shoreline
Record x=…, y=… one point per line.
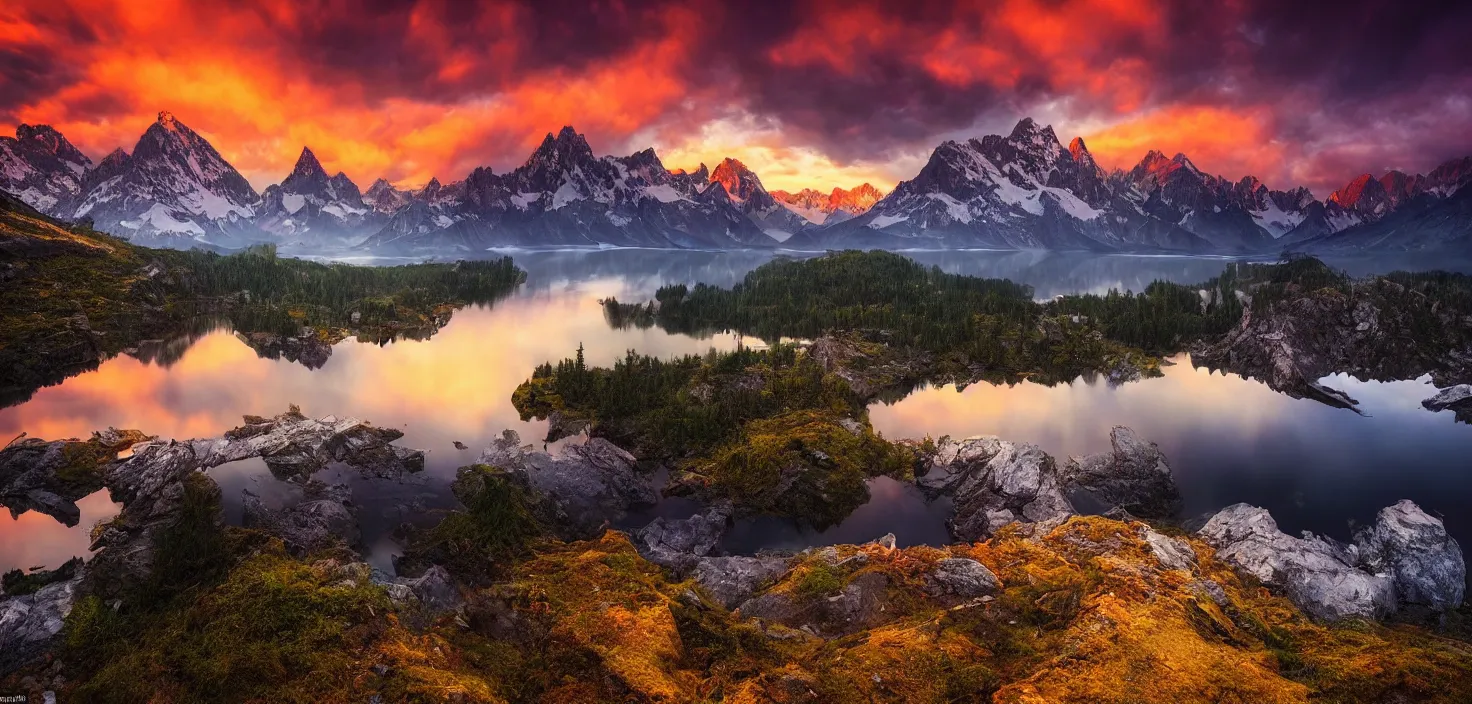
x=1004, y=495
x=1376, y=329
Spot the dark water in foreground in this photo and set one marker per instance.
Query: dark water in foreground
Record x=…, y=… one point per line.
x=1228, y=439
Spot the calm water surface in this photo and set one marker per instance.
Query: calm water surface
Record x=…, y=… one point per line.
x=1228, y=439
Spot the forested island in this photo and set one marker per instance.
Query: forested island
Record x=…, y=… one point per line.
x=73, y=297
x=1287, y=323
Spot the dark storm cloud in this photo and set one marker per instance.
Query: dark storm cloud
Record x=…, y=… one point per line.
x=1315, y=91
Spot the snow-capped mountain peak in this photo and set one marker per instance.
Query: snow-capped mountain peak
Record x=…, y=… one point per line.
x=741, y=183
x=173, y=186
x=310, y=207
x=307, y=168
x=42, y=168
x=746, y=192
x=829, y=208
x=1364, y=195
x=384, y=198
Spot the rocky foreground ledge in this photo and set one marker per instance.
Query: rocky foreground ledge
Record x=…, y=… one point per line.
x=156, y=485
x=1049, y=604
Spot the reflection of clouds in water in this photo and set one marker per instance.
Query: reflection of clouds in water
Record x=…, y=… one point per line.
x=38, y=540
x=455, y=386
x=1075, y=418
x=1231, y=439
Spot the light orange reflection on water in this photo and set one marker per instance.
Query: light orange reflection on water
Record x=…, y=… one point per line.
x=460, y=381
x=1076, y=418
x=38, y=540
x=455, y=386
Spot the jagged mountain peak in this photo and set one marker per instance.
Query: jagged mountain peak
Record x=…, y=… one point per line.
x=731, y=165
x=1364, y=194
x=1450, y=176
x=1027, y=129
x=52, y=141
x=1080, y=152
x=740, y=182
x=307, y=170
x=168, y=123
x=1156, y=167
x=116, y=156
x=857, y=200
x=564, y=150
x=819, y=208
x=1250, y=184
x=384, y=198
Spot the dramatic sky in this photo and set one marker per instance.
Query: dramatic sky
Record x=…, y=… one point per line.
x=809, y=93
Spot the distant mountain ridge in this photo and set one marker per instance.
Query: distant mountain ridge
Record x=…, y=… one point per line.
x=1024, y=190
x=831, y=208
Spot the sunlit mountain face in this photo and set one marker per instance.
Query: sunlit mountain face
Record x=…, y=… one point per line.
x=816, y=94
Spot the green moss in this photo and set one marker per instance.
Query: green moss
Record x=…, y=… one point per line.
x=495, y=527
x=274, y=630
x=803, y=464
x=817, y=580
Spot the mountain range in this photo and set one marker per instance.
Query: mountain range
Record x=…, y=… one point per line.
x=1024, y=190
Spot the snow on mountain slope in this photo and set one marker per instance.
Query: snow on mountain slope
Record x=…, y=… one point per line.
x=564, y=195
x=1019, y=191
x=42, y=168
x=819, y=208
x=173, y=187
x=313, y=209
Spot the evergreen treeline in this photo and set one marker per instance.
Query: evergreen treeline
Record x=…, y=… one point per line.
x=272, y=294
x=71, y=297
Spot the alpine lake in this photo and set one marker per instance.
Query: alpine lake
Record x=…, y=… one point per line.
x=1228, y=439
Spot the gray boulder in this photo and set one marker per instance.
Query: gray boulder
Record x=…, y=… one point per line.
x=587, y=485
x=732, y=580
x=860, y=604
x=434, y=591
x=960, y=577
x=1133, y=475
x=679, y=544
x=1414, y=548
x=1317, y=574
x=1457, y=399
x=295, y=445
x=325, y=517
x=1171, y=553
x=30, y=623
x=993, y=483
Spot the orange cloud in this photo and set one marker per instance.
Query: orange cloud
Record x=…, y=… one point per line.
x=219, y=70
x=410, y=89
x=1223, y=141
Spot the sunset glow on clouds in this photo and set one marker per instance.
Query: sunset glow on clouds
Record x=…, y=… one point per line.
x=817, y=93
